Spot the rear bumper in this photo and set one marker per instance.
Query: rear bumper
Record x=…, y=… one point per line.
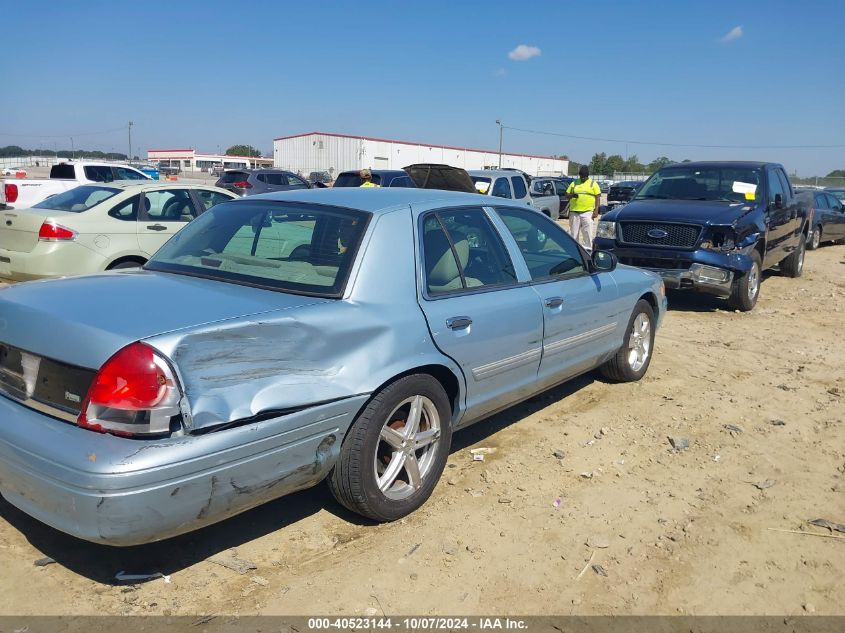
x=50, y=259
x=119, y=491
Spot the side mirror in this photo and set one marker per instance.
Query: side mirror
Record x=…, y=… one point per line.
x=604, y=261
x=778, y=201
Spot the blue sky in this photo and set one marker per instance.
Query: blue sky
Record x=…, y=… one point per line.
x=211, y=74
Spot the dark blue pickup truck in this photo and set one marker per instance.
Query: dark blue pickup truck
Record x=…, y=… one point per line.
x=711, y=227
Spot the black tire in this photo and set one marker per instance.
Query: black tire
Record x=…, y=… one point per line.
x=354, y=479
x=793, y=265
x=131, y=263
x=815, y=238
x=620, y=368
x=746, y=289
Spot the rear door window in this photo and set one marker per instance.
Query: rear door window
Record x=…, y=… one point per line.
x=99, y=173
x=519, y=190
x=209, y=198
x=63, y=170
x=127, y=210
x=501, y=188
x=462, y=251
x=821, y=202
x=169, y=205
x=122, y=173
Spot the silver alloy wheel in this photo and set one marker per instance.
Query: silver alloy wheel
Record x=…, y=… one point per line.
x=639, y=342
x=753, y=281
x=817, y=237
x=408, y=444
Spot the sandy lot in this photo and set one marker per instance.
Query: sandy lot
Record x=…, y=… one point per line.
x=669, y=532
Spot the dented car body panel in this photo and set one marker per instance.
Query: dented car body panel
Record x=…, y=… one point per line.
x=270, y=380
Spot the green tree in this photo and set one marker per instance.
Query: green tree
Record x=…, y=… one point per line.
x=573, y=168
x=598, y=163
x=659, y=163
x=614, y=163
x=242, y=150
x=633, y=165
x=836, y=173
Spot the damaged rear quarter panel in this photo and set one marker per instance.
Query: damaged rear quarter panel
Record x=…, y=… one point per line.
x=328, y=351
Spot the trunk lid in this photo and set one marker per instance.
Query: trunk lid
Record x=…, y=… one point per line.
x=82, y=321
x=19, y=227
x=435, y=176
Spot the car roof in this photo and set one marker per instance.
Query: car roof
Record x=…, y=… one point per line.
x=144, y=185
x=724, y=163
x=494, y=173
x=377, y=172
x=376, y=200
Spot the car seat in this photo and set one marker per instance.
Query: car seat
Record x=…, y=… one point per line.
x=442, y=272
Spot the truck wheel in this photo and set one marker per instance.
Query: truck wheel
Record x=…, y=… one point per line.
x=746, y=289
x=793, y=265
x=395, y=451
x=633, y=358
x=815, y=238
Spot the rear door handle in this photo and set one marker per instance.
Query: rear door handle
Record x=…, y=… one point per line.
x=156, y=227
x=554, y=302
x=458, y=322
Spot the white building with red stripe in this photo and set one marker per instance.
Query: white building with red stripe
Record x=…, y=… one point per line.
x=189, y=160
x=335, y=153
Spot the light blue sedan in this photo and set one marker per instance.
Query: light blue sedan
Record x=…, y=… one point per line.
x=284, y=339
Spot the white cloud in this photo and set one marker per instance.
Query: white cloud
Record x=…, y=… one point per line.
x=734, y=34
x=524, y=52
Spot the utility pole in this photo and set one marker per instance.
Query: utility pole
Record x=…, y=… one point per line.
x=130, y=141
x=501, y=128
x=72, y=150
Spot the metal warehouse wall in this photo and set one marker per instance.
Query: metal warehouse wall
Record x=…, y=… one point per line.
x=321, y=152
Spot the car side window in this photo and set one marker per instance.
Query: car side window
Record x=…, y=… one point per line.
x=121, y=173
x=169, y=205
x=261, y=178
x=821, y=201
x=833, y=202
x=295, y=181
x=127, y=210
x=210, y=198
x=462, y=251
x=784, y=181
x=775, y=186
x=548, y=251
x=402, y=181
x=519, y=190
x=501, y=188
x=99, y=173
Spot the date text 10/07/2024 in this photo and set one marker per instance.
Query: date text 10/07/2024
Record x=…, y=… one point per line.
x=417, y=623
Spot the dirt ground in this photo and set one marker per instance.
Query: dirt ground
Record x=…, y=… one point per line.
x=655, y=531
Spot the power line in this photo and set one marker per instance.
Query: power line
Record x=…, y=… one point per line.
x=617, y=140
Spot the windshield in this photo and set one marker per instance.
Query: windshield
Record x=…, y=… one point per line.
x=482, y=185
x=286, y=246
x=728, y=184
x=77, y=199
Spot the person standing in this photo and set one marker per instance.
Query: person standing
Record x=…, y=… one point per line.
x=367, y=176
x=585, y=197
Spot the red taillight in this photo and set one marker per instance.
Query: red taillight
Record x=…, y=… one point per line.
x=243, y=184
x=134, y=393
x=54, y=232
x=11, y=192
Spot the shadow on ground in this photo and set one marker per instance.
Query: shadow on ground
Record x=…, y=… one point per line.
x=101, y=562
x=690, y=301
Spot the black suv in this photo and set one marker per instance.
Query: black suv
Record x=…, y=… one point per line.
x=711, y=227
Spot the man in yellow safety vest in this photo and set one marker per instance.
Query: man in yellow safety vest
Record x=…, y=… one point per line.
x=585, y=197
x=367, y=177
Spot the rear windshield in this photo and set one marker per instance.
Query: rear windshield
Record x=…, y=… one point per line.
x=727, y=184
x=481, y=184
x=305, y=249
x=62, y=170
x=77, y=199
x=233, y=176
x=352, y=179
